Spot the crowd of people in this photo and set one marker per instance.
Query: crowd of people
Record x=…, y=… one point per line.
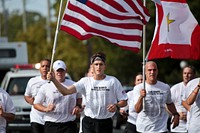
x=57, y=101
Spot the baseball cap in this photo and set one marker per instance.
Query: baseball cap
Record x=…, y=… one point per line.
x=59, y=64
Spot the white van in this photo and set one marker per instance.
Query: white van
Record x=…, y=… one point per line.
x=12, y=53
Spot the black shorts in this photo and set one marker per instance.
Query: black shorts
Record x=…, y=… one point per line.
x=130, y=128
x=90, y=125
x=37, y=128
x=66, y=127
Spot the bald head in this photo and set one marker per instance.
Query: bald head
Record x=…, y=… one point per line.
x=150, y=63
x=151, y=72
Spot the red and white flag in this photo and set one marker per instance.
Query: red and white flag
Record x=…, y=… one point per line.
x=177, y=33
x=119, y=21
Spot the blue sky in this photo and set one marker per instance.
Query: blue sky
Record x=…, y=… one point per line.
x=31, y=5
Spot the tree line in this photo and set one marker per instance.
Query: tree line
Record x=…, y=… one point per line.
x=120, y=63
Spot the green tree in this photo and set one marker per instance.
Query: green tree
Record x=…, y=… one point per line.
x=121, y=63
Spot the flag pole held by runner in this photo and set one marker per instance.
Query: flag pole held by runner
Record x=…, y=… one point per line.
x=56, y=36
x=144, y=60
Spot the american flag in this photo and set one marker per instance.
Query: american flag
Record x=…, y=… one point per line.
x=119, y=21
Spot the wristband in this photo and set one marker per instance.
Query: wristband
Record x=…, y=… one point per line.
x=176, y=114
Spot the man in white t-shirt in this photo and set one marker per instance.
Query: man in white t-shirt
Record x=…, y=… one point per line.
x=60, y=111
x=7, y=110
x=33, y=86
x=103, y=94
x=177, y=91
x=152, y=115
x=192, y=98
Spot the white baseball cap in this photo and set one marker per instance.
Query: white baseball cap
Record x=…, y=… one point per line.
x=59, y=64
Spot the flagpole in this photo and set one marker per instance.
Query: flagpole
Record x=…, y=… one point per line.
x=56, y=36
x=144, y=52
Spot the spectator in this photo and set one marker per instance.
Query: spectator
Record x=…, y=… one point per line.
x=103, y=94
x=60, y=111
x=7, y=110
x=177, y=91
x=156, y=95
x=129, y=110
x=33, y=86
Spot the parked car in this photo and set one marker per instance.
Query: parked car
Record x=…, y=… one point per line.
x=14, y=82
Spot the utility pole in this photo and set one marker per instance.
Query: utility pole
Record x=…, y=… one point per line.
x=24, y=16
x=5, y=19
x=1, y=19
x=48, y=28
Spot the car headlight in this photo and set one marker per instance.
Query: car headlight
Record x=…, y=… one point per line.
x=18, y=109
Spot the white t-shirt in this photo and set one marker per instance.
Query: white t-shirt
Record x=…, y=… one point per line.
x=32, y=88
x=177, y=92
x=48, y=93
x=193, y=126
x=99, y=94
x=8, y=107
x=154, y=118
x=132, y=117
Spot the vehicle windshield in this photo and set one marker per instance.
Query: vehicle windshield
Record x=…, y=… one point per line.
x=17, y=86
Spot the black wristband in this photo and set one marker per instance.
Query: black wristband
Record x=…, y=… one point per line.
x=176, y=114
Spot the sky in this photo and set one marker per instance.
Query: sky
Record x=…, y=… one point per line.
x=39, y=6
